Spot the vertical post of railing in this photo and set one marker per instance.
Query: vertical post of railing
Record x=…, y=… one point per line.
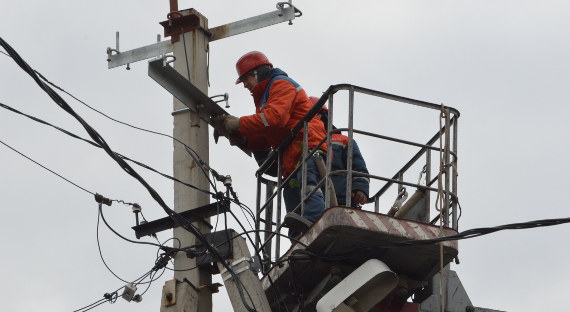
x=329, y=154
x=400, y=186
x=445, y=163
x=349, y=158
x=278, y=212
x=454, y=175
x=258, y=214
x=376, y=204
x=270, y=186
x=428, y=179
x=304, y=165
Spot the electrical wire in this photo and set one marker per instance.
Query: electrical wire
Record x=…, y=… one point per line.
x=191, y=151
x=99, y=248
x=108, y=297
x=459, y=236
x=92, y=306
x=245, y=209
x=152, y=279
x=46, y=168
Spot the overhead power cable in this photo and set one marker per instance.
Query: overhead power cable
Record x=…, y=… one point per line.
x=107, y=297
x=48, y=169
x=178, y=220
x=190, y=150
x=109, y=117
x=459, y=236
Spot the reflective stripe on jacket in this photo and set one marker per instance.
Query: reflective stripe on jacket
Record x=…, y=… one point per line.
x=286, y=105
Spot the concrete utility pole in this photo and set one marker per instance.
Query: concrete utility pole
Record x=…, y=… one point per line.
x=190, y=54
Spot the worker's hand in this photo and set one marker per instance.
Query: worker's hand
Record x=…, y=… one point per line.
x=230, y=123
x=236, y=139
x=359, y=197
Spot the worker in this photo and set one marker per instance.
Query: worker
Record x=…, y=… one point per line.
x=280, y=104
x=360, y=185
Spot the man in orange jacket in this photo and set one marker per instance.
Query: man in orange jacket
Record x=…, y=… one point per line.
x=280, y=103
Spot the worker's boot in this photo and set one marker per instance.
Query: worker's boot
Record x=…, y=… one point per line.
x=296, y=223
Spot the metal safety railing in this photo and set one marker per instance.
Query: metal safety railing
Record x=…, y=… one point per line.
x=269, y=213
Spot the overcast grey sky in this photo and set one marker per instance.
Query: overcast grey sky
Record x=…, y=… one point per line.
x=503, y=64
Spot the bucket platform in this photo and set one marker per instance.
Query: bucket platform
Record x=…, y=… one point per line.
x=343, y=239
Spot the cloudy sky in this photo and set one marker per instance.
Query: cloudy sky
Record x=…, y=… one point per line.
x=503, y=64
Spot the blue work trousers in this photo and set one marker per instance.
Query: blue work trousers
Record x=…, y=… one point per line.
x=315, y=204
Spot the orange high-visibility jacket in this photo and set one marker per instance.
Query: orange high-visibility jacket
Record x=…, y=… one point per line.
x=286, y=105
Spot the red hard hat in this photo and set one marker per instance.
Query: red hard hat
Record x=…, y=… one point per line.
x=315, y=99
x=250, y=61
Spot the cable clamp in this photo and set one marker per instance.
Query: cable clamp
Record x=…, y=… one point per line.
x=111, y=297
x=219, y=196
x=103, y=200
x=235, y=264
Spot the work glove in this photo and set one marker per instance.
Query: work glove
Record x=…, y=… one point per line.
x=359, y=197
x=236, y=139
x=230, y=123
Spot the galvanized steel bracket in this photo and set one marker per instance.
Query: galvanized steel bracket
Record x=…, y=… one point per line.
x=283, y=14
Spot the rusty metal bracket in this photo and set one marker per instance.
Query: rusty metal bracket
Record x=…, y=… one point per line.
x=178, y=24
x=214, y=288
x=282, y=14
x=170, y=293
